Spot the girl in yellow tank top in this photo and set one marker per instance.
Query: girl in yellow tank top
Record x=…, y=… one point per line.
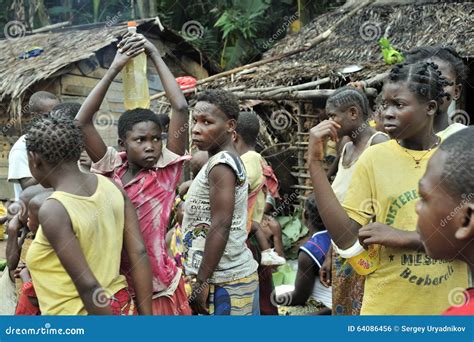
x=74, y=260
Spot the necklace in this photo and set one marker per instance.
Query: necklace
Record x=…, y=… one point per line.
x=418, y=160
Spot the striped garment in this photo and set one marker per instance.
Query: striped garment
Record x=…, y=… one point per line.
x=237, y=298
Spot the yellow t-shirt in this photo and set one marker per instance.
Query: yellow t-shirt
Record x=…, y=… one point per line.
x=2, y=227
x=98, y=223
x=385, y=186
x=252, y=162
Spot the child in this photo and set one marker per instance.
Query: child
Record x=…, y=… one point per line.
x=245, y=140
x=383, y=189
x=215, y=215
x=446, y=206
x=349, y=108
x=454, y=70
x=148, y=172
x=67, y=110
x=27, y=299
x=74, y=259
x=310, y=295
x=19, y=174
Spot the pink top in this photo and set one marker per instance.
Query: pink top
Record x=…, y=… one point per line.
x=152, y=192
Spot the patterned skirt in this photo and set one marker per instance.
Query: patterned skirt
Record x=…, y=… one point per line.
x=238, y=298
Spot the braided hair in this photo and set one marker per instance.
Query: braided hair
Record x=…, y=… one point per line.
x=57, y=140
x=423, y=78
x=348, y=96
x=444, y=53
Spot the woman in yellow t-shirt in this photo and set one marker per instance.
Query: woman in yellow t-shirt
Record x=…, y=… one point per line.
x=379, y=207
x=74, y=260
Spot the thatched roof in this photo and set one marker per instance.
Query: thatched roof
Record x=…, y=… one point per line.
x=65, y=46
x=356, y=42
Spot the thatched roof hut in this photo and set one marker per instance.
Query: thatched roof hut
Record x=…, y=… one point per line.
x=317, y=68
x=355, y=41
x=73, y=61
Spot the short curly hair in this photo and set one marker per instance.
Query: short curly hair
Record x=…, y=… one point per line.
x=57, y=140
x=66, y=110
x=423, y=78
x=226, y=101
x=131, y=117
x=248, y=127
x=458, y=168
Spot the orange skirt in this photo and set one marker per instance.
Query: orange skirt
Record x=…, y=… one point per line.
x=176, y=305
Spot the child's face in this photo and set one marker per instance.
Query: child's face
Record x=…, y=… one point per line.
x=404, y=114
x=180, y=213
x=211, y=128
x=439, y=214
x=39, y=169
x=143, y=144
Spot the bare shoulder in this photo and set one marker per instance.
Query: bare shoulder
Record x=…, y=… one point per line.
x=379, y=138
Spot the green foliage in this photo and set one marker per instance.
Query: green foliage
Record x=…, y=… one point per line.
x=390, y=55
x=235, y=32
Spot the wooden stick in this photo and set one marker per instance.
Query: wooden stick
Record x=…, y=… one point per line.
x=297, y=95
x=51, y=27
x=299, y=86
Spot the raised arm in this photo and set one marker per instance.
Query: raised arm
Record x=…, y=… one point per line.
x=57, y=228
x=178, y=129
x=94, y=144
x=343, y=230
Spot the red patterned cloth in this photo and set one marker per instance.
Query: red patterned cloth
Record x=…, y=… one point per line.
x=24, y=306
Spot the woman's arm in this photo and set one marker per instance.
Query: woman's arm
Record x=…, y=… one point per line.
x=222, y=198
x=57, y=228
x=343, y=230
x=178, y=129
x=304, y=283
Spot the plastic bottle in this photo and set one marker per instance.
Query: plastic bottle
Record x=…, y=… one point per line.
x=367, y=261
x=135, y=83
